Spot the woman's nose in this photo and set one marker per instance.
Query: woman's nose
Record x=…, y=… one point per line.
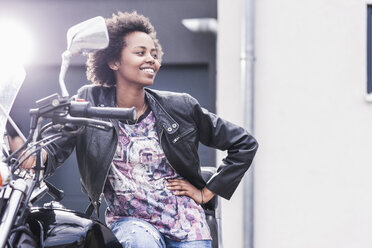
x=150, y=59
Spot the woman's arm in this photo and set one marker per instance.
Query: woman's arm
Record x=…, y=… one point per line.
x=241, y=148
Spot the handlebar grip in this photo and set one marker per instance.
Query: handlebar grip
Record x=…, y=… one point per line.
x=114, y=113
x=83, y=109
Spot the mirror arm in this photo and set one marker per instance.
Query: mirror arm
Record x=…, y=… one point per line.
x=66, y=56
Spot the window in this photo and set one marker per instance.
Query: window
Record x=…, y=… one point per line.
x=369, y=49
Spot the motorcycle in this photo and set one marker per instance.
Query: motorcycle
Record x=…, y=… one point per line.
x=23, y=223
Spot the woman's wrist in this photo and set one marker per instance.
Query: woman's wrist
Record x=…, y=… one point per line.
x=207, y=195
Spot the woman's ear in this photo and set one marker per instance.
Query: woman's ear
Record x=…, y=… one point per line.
x=113, y=65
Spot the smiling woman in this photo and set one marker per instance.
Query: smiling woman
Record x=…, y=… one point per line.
x=148, y=170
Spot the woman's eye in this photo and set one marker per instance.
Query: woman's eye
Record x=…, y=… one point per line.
x=140, y=53
x=155, y=56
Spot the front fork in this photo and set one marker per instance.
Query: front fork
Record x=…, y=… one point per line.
x=16, y=191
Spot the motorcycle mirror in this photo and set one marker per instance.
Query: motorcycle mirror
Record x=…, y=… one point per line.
x=85, y=37
x=88, y=36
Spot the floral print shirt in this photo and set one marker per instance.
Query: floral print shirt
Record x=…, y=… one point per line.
x=136, y=186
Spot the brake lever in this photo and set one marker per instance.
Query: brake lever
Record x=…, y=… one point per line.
x=82, y=121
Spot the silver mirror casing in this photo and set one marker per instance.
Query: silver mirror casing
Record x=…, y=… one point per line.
x=83, y=38
x=88, y=36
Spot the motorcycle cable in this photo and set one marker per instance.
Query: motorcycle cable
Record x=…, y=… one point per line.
x=38, y=168
x=29, y=138
x=51, y=139
x=41, y=234
x=22, y=229
x=46, y=126
x=63, y=129
x=8, y=244
x=33, y=119
x=23, y=209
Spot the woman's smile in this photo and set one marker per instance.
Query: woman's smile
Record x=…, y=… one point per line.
x=148, y=70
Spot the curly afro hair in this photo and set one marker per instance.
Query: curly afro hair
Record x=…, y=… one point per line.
x=118, y=26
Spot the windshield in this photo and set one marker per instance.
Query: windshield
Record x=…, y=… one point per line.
x=11, y=81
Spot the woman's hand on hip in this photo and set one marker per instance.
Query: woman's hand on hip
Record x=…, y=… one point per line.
x=183, y=187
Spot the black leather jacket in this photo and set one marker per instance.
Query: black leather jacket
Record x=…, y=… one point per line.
x=181, y=124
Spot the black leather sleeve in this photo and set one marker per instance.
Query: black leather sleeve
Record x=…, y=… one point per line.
x=58, y=151
x=241, y=148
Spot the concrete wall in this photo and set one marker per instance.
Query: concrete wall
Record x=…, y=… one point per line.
x=230, y=106
x=313, y=172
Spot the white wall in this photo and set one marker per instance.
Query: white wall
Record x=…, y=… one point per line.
x=230, y=106
x=313, y=172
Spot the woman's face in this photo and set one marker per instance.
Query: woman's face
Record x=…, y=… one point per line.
x=139, y=61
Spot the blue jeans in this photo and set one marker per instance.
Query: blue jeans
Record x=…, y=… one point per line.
x=137, y=233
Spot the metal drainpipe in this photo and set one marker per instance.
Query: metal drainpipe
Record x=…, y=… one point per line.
x=247, y=70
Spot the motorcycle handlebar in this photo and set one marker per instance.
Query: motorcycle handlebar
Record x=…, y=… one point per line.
x=84, y=109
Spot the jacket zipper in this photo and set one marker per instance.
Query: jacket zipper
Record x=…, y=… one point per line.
x=108, y=170
x=162, y=131
x=183, y=135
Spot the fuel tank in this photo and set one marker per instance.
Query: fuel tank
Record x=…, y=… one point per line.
x=68, y=228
